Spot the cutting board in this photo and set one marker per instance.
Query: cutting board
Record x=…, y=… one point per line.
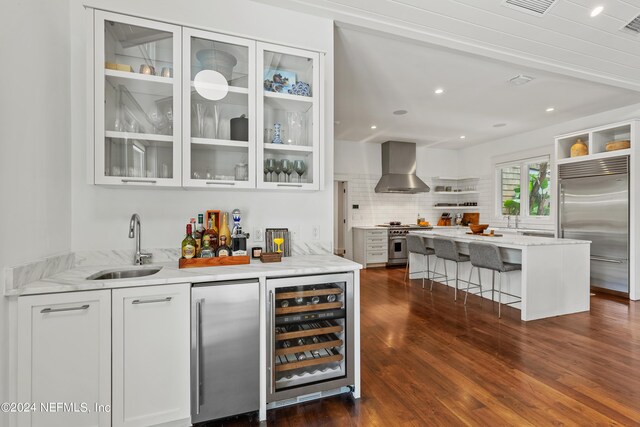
x=471, y=218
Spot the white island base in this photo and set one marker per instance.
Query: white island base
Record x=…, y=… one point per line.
x=554, y=279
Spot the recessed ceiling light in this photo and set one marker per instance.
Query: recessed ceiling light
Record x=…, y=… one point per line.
x=499, y=125
x=438, y=91
x=374, y=127
x=462, y=137
x=596, y=11
x=400, y=112
x=550, y=109
x=520, y=79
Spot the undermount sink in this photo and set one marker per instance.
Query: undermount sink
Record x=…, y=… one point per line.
x=123, y=274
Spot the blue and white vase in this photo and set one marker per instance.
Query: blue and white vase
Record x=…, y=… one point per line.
x=301, y=89
x=277, y=138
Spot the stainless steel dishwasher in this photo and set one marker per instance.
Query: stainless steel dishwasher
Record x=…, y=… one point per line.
x=225, y=342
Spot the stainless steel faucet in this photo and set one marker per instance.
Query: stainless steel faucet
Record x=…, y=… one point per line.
x=139, y=257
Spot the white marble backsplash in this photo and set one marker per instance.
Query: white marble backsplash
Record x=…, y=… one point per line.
x=123, y=257
x=33, y=271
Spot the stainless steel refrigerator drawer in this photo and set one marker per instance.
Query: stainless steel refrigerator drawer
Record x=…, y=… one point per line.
x=225, y=360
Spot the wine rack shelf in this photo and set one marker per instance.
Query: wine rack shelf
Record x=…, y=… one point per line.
x=316, y=328
x=331, y=355
x=309, y=347
x=309, y=293
x=310, y=307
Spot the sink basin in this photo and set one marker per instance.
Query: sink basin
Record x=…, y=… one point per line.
x=124, y=274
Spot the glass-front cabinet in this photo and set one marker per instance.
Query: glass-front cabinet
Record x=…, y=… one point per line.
x=218, y=110
x=289, y=116
x=137, y=93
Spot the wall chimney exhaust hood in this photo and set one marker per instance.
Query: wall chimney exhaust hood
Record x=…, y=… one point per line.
x=399, y=169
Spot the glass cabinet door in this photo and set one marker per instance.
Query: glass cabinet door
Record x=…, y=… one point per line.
x=219, y=110
x=137, y=98
x=289, y=117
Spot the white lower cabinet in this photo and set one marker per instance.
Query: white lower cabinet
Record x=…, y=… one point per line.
x=151, y=355
x=64, y=358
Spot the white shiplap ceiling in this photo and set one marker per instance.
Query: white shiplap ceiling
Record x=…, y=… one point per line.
x=392, y=54
x=565, y=39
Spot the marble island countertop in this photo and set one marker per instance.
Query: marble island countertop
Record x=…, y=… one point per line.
x=75, y=279
x=515, y=241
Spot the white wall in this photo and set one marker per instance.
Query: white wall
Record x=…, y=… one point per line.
x=35, y=216
x=101, y=215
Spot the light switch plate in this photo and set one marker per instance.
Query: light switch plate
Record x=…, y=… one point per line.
x=258, y=234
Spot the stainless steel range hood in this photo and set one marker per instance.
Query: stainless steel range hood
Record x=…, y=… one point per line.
x=399, y=169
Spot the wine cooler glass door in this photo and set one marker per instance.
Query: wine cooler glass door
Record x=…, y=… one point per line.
x=311, y=335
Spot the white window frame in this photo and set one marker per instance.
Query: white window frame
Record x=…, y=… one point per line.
x=524, y=163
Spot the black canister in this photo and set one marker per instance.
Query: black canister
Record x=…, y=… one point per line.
x=240, y=128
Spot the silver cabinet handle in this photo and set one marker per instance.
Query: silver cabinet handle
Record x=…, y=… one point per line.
x=271, y=326
x=219, y=183
x=57, y=310
x=144, y=181
x=612, y=261
x=149, y=301
x=289, y=185
x=198, y=358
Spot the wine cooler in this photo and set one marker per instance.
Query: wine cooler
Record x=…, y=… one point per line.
x=310, y=335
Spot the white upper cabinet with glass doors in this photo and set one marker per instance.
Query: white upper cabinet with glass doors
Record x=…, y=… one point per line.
x=288, y=115
x=218, y=110
x=137, y=101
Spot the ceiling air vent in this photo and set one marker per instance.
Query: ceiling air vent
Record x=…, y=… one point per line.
x=532, y=7
x=633, y=26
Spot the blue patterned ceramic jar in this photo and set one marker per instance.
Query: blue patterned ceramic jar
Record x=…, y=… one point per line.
x=277, y=139
x=301, y=89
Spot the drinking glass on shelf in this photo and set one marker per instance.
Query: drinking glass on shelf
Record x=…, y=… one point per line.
x=296, y=128
x=278, y=170
x=200, y=111
x=271, y=166
x=300, y=168
x=266, y=171
x=287, y=168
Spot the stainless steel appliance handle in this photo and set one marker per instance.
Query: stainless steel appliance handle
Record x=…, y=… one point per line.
x=198, y=345
x=57, y=310
x=289, y=185
x=560, y=209
x=149, y=301
x=612, y=261
x=271, y=341
x=219, y=183
x=144, y=181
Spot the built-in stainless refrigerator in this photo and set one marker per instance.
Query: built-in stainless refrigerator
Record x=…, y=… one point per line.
x=594, y=205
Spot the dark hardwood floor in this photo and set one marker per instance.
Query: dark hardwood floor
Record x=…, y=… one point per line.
x=428, y=361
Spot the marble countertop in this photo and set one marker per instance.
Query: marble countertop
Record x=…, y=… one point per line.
x=522, y=230
x=75, y=279
x=515, y=241
x=370, y=227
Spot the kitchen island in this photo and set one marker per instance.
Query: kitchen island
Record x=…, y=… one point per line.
x=554, y=279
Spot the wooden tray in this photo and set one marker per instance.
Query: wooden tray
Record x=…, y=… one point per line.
x=213, y=262
x=484, y=234
x=271, y=256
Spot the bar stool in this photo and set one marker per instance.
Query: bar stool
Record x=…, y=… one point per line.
x=487, y=255
x=417, y=245
x=447, y=250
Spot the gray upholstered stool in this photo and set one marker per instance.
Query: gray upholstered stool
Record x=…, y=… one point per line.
x=486, y=255
x=417, y=245
x=447, y=250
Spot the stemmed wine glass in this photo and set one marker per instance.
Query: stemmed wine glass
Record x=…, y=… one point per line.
x=271, y=166
x=300, y=168
x=266, y=170
x=278, y=169
x=287, y=168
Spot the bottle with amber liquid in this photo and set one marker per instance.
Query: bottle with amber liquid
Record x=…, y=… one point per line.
x=212, y=232
x=223, y=249
x=188, y=245
x=224, y=227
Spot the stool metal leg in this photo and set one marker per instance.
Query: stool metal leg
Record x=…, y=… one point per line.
x=435, y=269
x=493, y=288
x=406, y=268
x=455, y=296
x=468, y=284
x=423, y=261
x=499, y=295
x=446, y=275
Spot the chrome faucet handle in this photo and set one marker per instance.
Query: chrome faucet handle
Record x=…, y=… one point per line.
x=141, y=257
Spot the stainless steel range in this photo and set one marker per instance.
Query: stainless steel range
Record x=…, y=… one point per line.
x=398, y=241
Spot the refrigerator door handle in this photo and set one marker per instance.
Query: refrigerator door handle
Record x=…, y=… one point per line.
x=560, y=209
x=613, y=261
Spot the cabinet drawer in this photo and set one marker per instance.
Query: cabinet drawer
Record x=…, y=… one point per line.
x=377, y=240
x=376, y=233
x=379, y=256
x=376, y=246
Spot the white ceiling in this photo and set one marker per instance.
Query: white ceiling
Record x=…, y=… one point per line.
x=565, y=39
x=376, y=74
x=392, y=54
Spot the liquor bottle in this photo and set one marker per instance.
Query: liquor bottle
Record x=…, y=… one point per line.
x=188, y=245
x=223, y=249
x=224, y=227
x=212, y=232
x=197, y=234
x=238, y=242
x=206, y=250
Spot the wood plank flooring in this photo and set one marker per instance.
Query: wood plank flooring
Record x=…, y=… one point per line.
x=430, y=361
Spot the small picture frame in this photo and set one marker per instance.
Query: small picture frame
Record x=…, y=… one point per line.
x=279, y=81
